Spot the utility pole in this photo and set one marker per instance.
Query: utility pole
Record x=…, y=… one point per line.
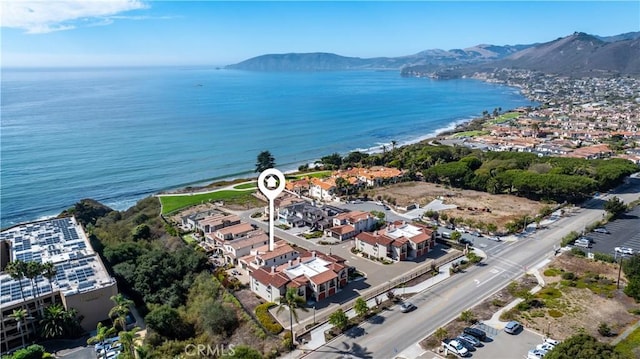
x=620, y=269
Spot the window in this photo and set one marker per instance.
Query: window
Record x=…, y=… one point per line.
x=332, y=284
x=322, y=288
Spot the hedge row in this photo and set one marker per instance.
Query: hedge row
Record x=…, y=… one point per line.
x=265, y=318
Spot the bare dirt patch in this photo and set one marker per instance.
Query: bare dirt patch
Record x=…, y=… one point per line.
x=472, y=205
x=583, y=303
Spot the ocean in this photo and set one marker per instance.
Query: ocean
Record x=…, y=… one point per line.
x=118, y=135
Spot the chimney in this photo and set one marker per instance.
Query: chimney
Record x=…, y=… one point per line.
x=273, y=269
x=313, y=254
x=290, y=262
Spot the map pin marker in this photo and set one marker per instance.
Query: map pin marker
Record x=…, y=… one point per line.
x=271, y=183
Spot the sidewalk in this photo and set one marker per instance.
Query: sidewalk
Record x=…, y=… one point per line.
x=317, y=334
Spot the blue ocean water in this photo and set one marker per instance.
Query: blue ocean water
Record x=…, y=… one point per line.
x=117, y=135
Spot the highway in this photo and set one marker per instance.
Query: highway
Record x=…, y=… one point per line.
x=395, y=331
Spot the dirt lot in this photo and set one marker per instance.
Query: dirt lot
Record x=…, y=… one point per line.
x=478, y=206
x=585, y=302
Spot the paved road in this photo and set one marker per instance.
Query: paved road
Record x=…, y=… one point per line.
x=445, y=301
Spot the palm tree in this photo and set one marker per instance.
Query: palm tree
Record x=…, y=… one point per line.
x=393, y=145
x=16, y=271
x=292, y=301
x=102, y=333
x=127, y=339
x=49, y=272
x=34, y=269
x=120, y=310
x=53, y=324
x=20, y=316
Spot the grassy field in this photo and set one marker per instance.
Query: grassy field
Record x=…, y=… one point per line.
x=250, y=185
x=504, y=118
x=630, y=346
x=470, y=133
x=173, y=203
x=320, y=174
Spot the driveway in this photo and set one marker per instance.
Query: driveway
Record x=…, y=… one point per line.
x=517, y=345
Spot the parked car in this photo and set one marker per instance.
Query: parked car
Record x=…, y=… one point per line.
x=446, y=235
x=470, y=339
x=601, y=230
x=494, y=238
x=470, y=347
x=479, y=334
x=544, y=346
x=624, y=250
x=535, y=354
x=465, y=241
x=406, y=307
x=551, y=341
x=581, y=242
x=512, y=327
x=455, y=347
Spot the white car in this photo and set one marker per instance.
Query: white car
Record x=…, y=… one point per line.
x=551, y=341
x=544, y=346
x=535, y=354
x=624, y=250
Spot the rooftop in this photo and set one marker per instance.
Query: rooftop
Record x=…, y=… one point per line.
x=60, y=241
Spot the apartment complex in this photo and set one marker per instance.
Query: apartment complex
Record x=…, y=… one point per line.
x=81, y=281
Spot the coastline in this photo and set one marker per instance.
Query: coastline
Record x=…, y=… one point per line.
x=428, y=125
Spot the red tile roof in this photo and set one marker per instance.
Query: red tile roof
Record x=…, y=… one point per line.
x=264, y=276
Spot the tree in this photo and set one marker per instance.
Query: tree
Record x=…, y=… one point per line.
x=141, y=231
x=265, y=161
x=582, y=346
x=615, y=206
x=33, y=270
x=16, y=271
x=468, y=317
x=167, y=322
x=441, y=334
x=218, y=319
x=103, y=332
x=49, y=272
x=292, y=301
x=120, y=311
x=127, y=339
x=56, y=321
x=604, y=329
x=339, y=319
x=361, y=307
x=20, y=316
x=455, y=236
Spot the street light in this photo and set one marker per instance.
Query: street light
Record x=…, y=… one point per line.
x=314, y=315
x=548, y=329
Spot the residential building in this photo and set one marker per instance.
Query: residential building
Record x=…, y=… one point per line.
x=232, y=232
x=233, y=250
x=81, y=281
x=316, y=277
x=396, y=242
x=261, y=256
x=347, y=225
x=217, y=221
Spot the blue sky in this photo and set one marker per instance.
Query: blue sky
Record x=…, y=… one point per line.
x=133, y=32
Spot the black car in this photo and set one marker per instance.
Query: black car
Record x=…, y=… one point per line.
x=465, y=241
x=480, y=334
x=466, y=344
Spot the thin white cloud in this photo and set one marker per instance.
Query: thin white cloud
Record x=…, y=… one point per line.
x=38, y=17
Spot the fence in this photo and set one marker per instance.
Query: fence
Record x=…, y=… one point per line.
x=381, y=289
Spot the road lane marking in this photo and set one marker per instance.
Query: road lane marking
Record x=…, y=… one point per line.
x=490, y=278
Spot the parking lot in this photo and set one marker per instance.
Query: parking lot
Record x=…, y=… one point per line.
x=623, y=233
x=503, y=345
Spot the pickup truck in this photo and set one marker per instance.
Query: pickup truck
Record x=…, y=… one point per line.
x=454, y=347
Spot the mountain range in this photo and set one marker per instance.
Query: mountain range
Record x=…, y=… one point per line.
x=576, y=54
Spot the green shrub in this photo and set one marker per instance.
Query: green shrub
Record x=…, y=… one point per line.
x=552, y=272
x=635, y=311
x=603, y=257
x=604, y=329
x=568, y=276
x=554, y=313
x=265, y=318
x=569, y=238
x=578, y=252
x=497, y=303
